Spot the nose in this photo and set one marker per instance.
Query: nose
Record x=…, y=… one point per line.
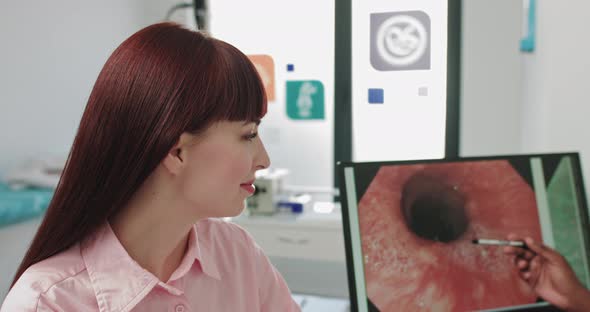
x=261, y=161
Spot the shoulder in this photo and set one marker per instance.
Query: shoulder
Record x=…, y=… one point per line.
x=55, y=273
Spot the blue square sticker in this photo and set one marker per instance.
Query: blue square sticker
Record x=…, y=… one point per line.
x=290, y=67
x=375, y=96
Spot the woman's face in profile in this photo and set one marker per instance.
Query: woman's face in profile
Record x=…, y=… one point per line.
x=220, y=168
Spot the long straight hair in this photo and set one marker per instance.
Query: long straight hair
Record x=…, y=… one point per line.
x=162, y=81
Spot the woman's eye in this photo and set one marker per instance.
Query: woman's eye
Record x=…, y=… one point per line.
x=251, y=136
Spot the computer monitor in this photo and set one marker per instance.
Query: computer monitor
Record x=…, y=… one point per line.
x=409, y=227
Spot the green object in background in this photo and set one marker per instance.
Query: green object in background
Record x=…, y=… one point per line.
x=565, y=218
x=22, y=205
x=305, y=100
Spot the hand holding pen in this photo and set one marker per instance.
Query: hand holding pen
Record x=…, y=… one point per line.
x=548, y=274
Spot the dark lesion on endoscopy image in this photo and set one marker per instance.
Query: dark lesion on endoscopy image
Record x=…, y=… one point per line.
x=417, y=222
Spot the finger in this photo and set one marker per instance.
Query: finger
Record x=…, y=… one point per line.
x=534, y=246
x=509, y=250
x=514, y=251
x=542, y=250
x=528, y=255
x=524, y=254
x=522, y=264
x=525, y=275
x=535, y=265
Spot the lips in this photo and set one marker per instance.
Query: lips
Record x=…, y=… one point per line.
x=248, y=186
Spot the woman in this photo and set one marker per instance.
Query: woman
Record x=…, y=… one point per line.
x=549, y=275
x=167, y=141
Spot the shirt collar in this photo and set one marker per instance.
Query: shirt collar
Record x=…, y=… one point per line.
x=119, y=282
x=198, y=249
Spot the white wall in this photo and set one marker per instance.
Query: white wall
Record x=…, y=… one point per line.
x=515, y=102
x=50, y=55
x=491, y=72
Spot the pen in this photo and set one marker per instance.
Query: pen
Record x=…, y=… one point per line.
x=498, y=242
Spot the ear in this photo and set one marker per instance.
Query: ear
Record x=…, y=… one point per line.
x=174, y=161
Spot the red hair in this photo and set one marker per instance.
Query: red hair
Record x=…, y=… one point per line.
x=162, y=81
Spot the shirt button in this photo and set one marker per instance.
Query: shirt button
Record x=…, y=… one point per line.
x=180, y=308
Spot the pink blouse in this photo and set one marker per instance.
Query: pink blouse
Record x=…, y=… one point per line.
x=222, y=270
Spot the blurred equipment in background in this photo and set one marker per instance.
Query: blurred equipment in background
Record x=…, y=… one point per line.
x=38, y=173
x=26, y=190
x=269, y=186
x=194, y=14
x=201, y=15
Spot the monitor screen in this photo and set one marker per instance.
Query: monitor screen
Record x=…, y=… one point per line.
x=410, y=225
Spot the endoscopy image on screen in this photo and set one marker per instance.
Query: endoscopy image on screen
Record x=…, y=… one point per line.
x=417, y=222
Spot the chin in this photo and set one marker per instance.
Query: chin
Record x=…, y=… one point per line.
x=411, y=266
x=237, y=212
x=234, y=210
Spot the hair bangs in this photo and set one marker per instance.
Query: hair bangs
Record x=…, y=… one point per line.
x=238, y=91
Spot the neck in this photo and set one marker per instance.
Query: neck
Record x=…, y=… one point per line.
x=152, y=232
